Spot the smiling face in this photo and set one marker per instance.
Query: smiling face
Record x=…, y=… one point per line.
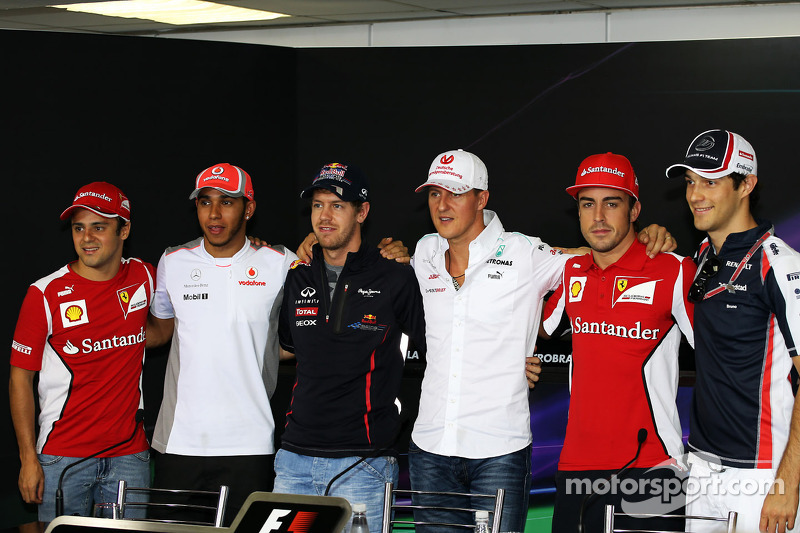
x=607, y=219
x=98, y=244
x=336, y=225
x=223, y=220
x=718, y=207
x=457, y=217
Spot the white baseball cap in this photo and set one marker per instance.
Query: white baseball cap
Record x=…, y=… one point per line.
x=715, y=154
x=457, y=171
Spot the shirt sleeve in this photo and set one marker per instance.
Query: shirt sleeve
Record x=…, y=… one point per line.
x=409, y=310
x=554, y=310
x=782, y=283
x=284, y=322
x=548, y=264
x=162, y=305
x=682, y=308
x=33, y=329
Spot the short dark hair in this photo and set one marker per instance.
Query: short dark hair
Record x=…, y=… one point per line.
x=738, y=178
x=121, y=223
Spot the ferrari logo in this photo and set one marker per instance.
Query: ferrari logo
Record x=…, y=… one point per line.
x=124, y=296
x=622, y=284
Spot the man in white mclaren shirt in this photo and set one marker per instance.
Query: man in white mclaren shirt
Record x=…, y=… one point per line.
x=218, y=298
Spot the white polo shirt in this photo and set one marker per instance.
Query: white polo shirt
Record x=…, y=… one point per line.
x=223, y=362
x=474, y=400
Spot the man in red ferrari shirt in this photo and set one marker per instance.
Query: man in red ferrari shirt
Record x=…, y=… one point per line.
x=627, y=311
x=82, y=329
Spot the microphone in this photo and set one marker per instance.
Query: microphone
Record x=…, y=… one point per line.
x=60, y=492
x=401, y=427
x=640, y=437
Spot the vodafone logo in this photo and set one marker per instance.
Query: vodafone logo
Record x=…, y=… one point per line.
x=217, y=170
x=251, y=272
x=447, y=159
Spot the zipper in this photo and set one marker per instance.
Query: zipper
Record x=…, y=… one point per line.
x=339, y=309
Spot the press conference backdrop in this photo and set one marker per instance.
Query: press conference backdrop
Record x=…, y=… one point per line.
x=148, y=114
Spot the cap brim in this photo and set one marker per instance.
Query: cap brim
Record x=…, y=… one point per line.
x=308, y=192
x=196, y=192
x=679, y=170
x=68, y=212
x=453, y=187
x=575, y=189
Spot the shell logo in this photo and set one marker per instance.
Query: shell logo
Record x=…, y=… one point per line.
x=73, y=313
x=575, y=288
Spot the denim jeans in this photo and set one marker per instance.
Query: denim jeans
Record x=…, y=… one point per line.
x=303, y=474
x=431, y=472
x=94, y=481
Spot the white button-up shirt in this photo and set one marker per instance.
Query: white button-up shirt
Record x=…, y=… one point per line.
x=474, y=400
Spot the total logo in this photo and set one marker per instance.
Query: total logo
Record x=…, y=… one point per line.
x=73, y=313
x=306, y=311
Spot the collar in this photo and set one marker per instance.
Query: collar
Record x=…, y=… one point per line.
x=224, y=261
x=353, y=260
x=634, y=259
x=746, y=238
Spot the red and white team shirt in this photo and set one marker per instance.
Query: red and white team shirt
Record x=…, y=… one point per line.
x=86, y=340
x=626, y=322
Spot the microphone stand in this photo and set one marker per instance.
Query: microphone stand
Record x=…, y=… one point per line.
x=640, y=437
x=60, y=492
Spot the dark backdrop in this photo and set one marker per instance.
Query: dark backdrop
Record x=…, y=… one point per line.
x=148, y=114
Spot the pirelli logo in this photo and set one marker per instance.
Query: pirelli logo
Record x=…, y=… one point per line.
x=21, y=348
x=794, y=276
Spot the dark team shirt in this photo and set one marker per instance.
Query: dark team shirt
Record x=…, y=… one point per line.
x=745, y=341
x=349, y=363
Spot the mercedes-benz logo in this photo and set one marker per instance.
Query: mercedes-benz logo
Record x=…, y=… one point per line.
x=195, y=275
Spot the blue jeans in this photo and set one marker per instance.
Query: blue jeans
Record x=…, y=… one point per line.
x=431, y=472
x=94, y=481
x=303, y=474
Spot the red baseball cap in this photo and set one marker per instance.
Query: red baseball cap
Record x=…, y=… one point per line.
x=102, y=198
x=608, y=170
x=226, y=178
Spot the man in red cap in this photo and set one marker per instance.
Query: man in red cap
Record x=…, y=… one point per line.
x=218, y=298
x=627, y=311
x=82, y=329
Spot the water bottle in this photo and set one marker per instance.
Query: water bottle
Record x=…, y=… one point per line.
x=359, y=524
x=481, y=521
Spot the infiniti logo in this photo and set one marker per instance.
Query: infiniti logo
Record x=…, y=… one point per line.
x=308, y=292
